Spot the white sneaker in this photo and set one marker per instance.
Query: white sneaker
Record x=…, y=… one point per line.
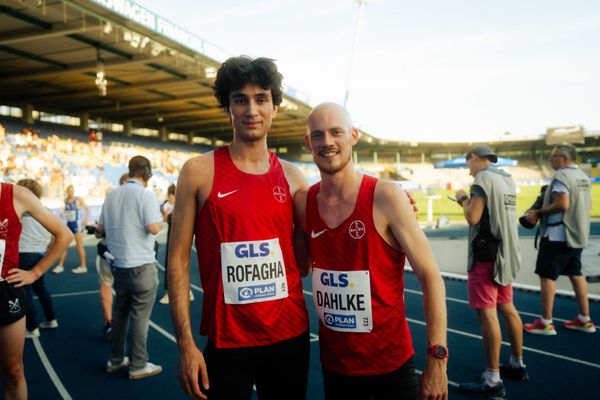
x=58, y=269
x=32, y=334
x=110, y=367
x=49, y=324
x=79, y=270
x=149, y=370
x=164, y=299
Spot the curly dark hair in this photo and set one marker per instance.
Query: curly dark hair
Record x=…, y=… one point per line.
x=237, y=72
x=32, y=185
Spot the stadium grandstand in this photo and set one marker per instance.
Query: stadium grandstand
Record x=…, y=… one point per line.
x=133, y=81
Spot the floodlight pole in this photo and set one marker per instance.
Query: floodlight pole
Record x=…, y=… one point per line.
x=361, y=3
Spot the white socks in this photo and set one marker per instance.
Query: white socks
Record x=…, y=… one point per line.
x=492, y=376
x=583, y=318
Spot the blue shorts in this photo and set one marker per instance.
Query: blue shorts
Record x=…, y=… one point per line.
x=74, y=226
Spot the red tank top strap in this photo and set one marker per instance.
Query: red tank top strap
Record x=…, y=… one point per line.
x=10, y=231
x=312, y=209
x=363, y=208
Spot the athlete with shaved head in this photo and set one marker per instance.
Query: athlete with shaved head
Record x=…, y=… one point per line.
x=360, y=232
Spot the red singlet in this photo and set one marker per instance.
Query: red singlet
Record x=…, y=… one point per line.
x=10, y=231
x=355, y=245
x=236, y=232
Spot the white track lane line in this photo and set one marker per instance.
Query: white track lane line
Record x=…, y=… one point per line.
x=462, y=301
x=50, y=370
x=531, y=349
x=463, y=333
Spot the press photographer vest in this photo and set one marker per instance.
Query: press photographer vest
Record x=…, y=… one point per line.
x=500, y=191
x=576, y=218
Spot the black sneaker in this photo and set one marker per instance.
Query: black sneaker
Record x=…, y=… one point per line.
x=516, y=374
x=106, y=330
x=482, y=389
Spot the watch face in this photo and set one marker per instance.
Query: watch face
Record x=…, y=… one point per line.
x=440, y=351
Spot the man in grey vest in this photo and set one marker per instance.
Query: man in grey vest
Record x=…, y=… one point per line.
x=565, y=229
x=494, y=258
x=130, y=218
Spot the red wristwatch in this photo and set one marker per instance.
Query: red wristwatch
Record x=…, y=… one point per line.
x=438, y=351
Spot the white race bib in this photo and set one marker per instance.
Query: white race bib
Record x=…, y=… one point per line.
x=70, y=215
x=253, y=271
x=343, y=299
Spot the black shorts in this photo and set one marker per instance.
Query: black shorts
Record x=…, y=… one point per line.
x=556, y=258
x=13, y=303
x=401, y=384
x=279, y=370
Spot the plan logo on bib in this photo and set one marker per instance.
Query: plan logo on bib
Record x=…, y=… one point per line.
x=248, y=293
x=279, y=194
x=357, y=229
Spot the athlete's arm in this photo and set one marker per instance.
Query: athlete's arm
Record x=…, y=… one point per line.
x=298, y=187
x=193, y=187
x=395, y=221
x=25, y=201
x=83, y=204
x=472, y=207
x=300, y=239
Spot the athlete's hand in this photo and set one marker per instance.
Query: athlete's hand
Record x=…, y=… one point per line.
x=434, y=382
x=192, y=371
x=21, y=277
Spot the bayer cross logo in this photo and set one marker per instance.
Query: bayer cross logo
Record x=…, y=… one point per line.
x=357, y=229
x=279, y=194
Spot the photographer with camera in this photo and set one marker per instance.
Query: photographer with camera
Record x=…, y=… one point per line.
x=493, y=262
x=130, y=218
x=565, y=227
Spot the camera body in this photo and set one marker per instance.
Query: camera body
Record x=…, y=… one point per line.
x=537, y=204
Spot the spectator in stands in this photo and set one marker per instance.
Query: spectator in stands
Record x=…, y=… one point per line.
x=493, y=265
x=565, y=229
x=106, y=278
x=130, y=218
x=14, y=202
x=75, y=222
x=32, y=248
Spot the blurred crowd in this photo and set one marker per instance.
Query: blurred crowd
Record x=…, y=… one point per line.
x=92, y=167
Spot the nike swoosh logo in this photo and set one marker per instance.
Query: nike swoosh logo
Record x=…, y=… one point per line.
x=221, y=195
x=317, y=234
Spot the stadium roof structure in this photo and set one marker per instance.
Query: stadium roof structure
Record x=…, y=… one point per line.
x=56, y=56
x=157, y=75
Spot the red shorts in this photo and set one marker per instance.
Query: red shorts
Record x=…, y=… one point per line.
x=483, y=291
